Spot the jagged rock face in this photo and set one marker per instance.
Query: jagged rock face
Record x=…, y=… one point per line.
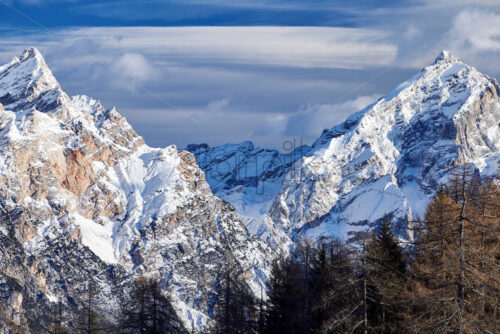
x=12, y=272
x=86, y=196
x=33, y=281
x=27, y=82
x=250, y=178
x=388, y=158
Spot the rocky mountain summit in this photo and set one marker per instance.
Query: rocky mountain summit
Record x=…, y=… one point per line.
x=83, y=196
x=386, y=159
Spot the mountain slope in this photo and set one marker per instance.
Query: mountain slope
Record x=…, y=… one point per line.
x=84, y=197
x=76, y=175
x=390, y=157
x=249, y=178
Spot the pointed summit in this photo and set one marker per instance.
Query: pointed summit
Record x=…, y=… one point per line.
x=446, y=56
x=29, y=56
x=390, y=157
x=27, y=82
x=32, y=54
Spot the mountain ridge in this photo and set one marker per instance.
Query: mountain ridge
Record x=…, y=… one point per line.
x=84, y=196
x=398, y=149
x=78, y=179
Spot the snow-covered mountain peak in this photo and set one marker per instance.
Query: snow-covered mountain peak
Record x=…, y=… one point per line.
x=75, y=172
x=446, y=56
x=445, y=73
x=33, y=53
x=388, y=158
x=28, y=82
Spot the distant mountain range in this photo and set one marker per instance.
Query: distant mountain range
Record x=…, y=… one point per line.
x=84, y=196
x=387, y=159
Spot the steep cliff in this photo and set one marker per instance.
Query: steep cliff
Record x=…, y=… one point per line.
x=388, y=158
x=86, y=197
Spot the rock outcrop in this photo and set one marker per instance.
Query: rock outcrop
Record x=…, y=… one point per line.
x=387, y=159
x=86, y=197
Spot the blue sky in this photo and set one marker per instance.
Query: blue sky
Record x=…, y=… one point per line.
x=60, y=13
x=220, y=71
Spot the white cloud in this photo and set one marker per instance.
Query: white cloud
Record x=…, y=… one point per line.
x=305, y=47
x=458, y=3
x=299, y=47
x=198, y=70
x=248, y=82
x=199, y=64
x=470, y=33
x=218, y=105
x=476, y=31
x=473, y=36
x=134, y=66
x=312, y=119
x=411, y=32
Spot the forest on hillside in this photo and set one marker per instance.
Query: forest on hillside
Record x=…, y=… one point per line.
x=437, y=274
x=442, y=277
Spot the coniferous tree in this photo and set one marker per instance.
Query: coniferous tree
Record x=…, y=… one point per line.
x=261, y=321
x=335, y=289
x=320, y=285
x=457, y=277
x=87, y=320
x=386, y=281
x=304, y=255
x=57, y=321
x=236, y=308
x=148, y=310
x=286, y=298
x=275, y=312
